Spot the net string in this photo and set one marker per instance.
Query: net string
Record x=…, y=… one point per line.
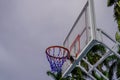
x=56, y=61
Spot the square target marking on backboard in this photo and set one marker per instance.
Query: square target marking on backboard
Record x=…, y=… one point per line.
x=75, y=47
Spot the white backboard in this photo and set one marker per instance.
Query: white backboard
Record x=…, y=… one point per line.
x=82, y=32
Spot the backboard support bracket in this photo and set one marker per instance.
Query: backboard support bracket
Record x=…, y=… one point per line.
x=84, y=52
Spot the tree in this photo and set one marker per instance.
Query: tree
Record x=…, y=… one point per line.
x=116, y=4
x=116, y=63
x=57, y=76
x=77, y=74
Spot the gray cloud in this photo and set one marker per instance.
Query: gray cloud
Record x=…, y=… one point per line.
x=27, y=27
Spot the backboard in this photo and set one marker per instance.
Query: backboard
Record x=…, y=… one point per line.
x=81, y=34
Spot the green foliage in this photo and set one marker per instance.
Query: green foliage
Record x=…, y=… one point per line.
x=118, y=22
x=51, y=74
x=57, y=76
x=92, y=57
x=117, y=15
x=111, y=70
x=116, y=4
x=119, y=49
x=114, y=64
x=110, y=2
x=77, y=73
x=100, y=67
x=98, y=48
x=118, y=69
x=111, y=58
x=98, y=77
x=106, y=73
x=117, y=36
x=83, y=64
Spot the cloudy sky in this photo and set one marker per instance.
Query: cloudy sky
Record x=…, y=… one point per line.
x=27, y=28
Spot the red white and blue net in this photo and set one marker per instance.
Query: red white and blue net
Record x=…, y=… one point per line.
x=56, y=56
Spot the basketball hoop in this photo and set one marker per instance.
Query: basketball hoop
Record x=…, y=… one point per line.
x=56, y=56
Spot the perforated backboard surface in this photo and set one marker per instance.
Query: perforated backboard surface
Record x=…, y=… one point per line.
x=81, y=34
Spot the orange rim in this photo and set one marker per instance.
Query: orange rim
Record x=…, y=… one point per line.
x=60, y=47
